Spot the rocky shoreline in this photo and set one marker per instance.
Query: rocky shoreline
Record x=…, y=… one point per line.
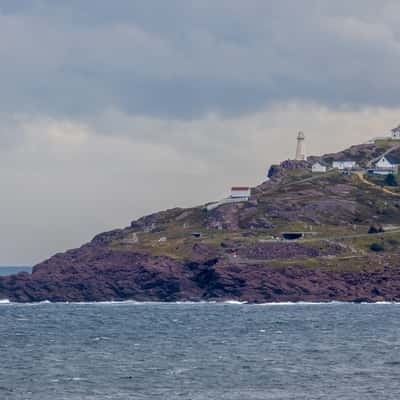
x=92, y=273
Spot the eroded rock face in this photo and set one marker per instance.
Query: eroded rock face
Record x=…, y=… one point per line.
x=226, y=216
x=277, y=172
x=287, y=250
x=93, y=274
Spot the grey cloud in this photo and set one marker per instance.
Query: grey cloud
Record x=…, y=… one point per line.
x=187, y=58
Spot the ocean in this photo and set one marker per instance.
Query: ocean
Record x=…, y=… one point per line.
x=13, y=270
x=200, y=351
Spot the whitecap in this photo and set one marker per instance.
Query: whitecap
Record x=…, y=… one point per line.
x=298, y=303
x=323, y=303
x=189, y=302
x=96, y=339
x=235, y=302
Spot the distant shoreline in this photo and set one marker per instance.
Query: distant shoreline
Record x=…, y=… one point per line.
x=6, y=270
x=196, y=303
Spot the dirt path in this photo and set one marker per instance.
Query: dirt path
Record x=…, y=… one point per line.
x=383, y=189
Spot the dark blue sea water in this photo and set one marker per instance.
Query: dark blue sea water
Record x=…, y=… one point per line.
x=199, y=351
x=13, y=270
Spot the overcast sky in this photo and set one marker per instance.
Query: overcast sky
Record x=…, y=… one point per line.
x=114, y=109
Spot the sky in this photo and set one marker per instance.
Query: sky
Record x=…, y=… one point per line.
x=110, y=110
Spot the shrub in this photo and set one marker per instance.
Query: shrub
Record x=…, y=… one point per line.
x=376, y=247
x=391, y=180
x=375, y=229
x=372, y=229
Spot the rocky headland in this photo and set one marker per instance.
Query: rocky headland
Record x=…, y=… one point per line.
x=348, y=249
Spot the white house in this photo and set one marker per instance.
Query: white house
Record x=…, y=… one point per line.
x=318, y=168
x=386, y=165
x=237, y=195
x=341, y=165
x=240, y=192
x=395, y=132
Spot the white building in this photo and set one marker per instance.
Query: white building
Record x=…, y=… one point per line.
x=395, y=132
x=300, y=148
x=318, y=168
x=386, y=165
x=341, y=165
x=240, y=192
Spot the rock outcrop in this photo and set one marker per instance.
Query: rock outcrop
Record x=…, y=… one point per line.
x=95, y=274
x=286, y=168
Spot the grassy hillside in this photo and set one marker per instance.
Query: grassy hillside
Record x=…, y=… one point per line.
x=328, y=208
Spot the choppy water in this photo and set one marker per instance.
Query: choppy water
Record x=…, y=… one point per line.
x=199, y=351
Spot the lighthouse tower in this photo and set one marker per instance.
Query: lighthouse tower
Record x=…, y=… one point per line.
x=300, y=149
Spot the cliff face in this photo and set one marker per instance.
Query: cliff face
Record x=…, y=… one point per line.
x=92, y=273
x=237, y=251
x=104, y=275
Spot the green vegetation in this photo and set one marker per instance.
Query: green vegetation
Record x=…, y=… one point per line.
x=385, y=144
x=377, y=247
x=327, y=208
x=391, y=180
x=376, y=179
x=375, y=229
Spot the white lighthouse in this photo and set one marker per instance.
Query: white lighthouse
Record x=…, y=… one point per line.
x=300, y=148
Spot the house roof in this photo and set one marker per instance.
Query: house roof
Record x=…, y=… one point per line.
x=320, y=163
x=240, y=188
x=392, y=159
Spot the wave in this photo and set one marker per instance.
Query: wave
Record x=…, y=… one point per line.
x=234, y=302
x=304, y=303
x=324, y=303
x=202, y=302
